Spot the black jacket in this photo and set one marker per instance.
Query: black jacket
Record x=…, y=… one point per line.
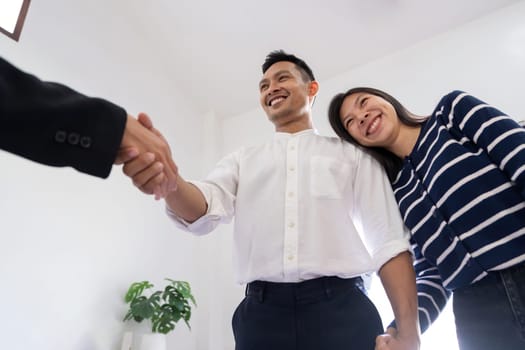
x=52, y=124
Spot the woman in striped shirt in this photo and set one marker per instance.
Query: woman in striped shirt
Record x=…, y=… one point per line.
x=459, y=181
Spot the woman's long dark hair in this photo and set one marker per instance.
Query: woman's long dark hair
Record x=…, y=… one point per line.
x=387, y=159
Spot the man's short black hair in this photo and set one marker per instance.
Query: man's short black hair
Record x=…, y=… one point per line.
x=279, y=56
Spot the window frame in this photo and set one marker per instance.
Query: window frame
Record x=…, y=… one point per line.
x=15, y=35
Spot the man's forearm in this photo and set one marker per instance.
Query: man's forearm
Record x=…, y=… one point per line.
x=187, y=201
x=398, y=278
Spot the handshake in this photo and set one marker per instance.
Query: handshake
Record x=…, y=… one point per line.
x=146, y=157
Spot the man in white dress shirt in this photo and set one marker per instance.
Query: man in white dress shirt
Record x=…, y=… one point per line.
x=312, y=214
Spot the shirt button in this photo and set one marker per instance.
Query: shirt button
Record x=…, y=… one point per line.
x=290, y=194
x=292, y=148
x=291, y=225
x=292, y=168
x=291, y=257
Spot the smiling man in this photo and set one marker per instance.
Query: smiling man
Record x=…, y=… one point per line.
x=312, y=213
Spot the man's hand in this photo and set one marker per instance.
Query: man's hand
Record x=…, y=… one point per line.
x=147, y=157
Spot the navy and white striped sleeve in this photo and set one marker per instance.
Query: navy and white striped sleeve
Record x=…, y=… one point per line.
x=496, y=133
x=431, y=295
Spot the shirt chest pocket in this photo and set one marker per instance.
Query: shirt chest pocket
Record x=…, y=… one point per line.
x=328, y=177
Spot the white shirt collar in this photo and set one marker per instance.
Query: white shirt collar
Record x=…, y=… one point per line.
x=284, y=135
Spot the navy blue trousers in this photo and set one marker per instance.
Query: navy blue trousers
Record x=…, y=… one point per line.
x=320, y=314
x=490, y=314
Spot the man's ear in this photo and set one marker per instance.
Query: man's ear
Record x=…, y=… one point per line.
x=313, y=88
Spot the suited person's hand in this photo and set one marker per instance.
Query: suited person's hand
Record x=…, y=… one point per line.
x=147, y=158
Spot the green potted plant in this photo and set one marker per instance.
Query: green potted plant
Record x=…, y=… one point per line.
x=164, y=308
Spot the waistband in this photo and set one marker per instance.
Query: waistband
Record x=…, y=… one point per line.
x=518, y=269
x=302, y=292
x=496, y=276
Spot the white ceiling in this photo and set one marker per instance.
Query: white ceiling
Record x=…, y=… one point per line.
x=213, y=49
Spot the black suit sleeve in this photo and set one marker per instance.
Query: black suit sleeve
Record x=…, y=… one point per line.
x=52, y=124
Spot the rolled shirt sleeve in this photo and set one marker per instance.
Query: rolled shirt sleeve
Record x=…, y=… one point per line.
x=376, y=214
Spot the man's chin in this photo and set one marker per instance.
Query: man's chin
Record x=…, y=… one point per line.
x=278, y=115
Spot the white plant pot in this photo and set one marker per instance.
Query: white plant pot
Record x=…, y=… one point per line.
x=127, y=341
x=153, y=341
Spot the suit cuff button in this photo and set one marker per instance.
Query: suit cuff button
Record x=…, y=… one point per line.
x=60, y=136
x=85, y=141
x=73, y=138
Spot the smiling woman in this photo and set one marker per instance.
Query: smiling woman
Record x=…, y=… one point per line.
x=12, y=16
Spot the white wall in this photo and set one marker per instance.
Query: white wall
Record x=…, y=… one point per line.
x=71, y=244
x=484, y=57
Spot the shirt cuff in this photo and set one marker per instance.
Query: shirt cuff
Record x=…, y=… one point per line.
x=205, y=224
x=389, y=251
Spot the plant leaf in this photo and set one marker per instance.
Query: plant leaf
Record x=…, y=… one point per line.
x=136, y=289
x=143, y=307
x=163, y=307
